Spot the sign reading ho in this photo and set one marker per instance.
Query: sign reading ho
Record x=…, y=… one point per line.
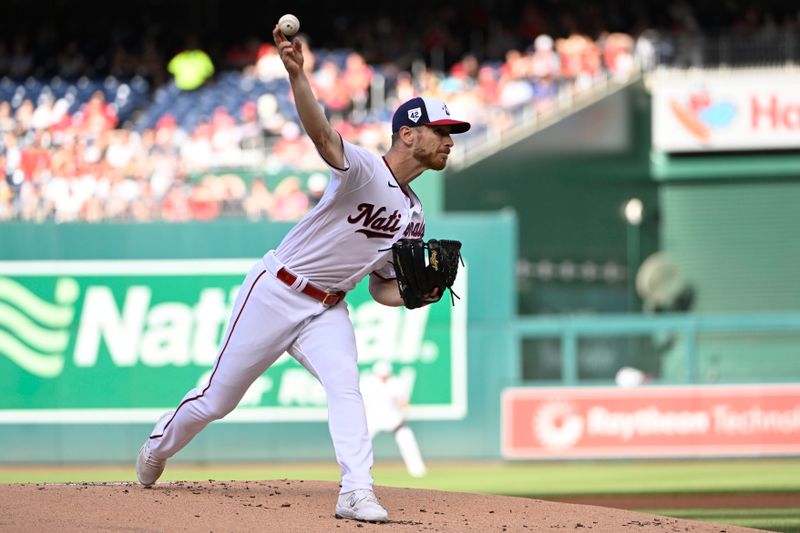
x=735, y=111
x=121, y=341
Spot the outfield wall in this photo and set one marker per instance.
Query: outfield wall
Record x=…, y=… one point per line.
x=103, y=327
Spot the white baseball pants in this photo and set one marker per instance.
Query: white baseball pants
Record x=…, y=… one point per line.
x=268, y=319
x=409, y=451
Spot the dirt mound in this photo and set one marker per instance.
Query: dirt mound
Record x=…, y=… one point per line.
x=307, y=506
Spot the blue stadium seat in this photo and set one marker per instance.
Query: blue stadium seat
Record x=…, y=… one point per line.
x=58, y=86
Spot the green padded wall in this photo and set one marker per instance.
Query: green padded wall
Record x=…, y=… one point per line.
x=568, y=184
x=738, y=244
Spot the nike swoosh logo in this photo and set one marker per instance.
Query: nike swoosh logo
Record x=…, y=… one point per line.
x=393, y=186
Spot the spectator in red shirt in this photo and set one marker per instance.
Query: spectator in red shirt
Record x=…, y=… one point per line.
x=96, y=116
x=357, y=78
x=175, y=205
x=35, y=160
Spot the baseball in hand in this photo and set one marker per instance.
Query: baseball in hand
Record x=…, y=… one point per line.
x=289, y=25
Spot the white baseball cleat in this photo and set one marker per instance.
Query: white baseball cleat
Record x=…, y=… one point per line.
x=361, y=505
x=148, y=467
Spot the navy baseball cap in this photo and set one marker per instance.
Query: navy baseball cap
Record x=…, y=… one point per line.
x=426, y=111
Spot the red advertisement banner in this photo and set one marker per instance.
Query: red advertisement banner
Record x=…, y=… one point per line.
x=680, y=421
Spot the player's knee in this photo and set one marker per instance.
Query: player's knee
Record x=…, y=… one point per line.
x=343, y=391
x=219, y=410
x=341, y=379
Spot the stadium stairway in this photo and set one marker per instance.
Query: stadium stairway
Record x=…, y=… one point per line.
x=527, y=120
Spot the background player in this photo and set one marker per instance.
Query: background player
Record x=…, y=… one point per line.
x=291, y=300
x=386, y=398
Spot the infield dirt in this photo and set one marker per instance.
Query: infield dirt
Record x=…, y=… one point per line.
x=303, y=506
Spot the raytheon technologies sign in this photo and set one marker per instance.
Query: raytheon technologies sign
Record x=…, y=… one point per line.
x=554, y=423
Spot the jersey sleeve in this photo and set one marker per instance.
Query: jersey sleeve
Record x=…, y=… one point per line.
x=385, y=271
x=358, y=165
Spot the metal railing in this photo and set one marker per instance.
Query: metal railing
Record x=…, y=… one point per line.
x=756, y=48
x=569, y=329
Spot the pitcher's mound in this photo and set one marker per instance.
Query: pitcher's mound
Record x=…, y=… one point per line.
x=307, y=506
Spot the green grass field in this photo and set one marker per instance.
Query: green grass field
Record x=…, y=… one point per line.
x=783, y=520
x=538, y=480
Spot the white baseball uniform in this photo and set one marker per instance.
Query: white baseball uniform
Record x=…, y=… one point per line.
x=279, y=308
x=386, y=398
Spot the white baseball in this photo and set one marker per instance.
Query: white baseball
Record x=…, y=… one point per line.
x=289, y=24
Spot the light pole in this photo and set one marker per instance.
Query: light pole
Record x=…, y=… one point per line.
x=634, y=213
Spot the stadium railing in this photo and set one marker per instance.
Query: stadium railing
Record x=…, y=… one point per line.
x=685, y=329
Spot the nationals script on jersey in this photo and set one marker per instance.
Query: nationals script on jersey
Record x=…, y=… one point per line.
x=351, y=231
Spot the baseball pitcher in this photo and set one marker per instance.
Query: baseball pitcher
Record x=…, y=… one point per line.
x=292, y=300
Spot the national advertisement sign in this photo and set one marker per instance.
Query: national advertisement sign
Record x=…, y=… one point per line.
x=119, y=341
x=746, y=110
x=650, y=421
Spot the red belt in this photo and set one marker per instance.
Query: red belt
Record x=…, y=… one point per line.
x=328, y=299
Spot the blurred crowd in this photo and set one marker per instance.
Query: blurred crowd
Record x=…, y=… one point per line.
x=65, y=163
x=87, y=166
